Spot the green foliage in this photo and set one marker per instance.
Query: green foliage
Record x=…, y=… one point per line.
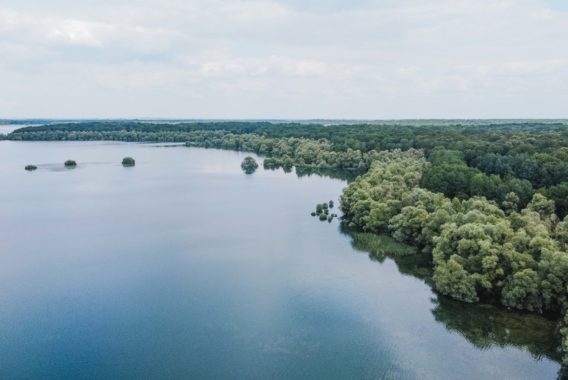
x=558, y=194
x=479, y=251
x=249, y=165
x=271, y=163
x=128, y=161
x=452, y=279
x=70, y=163
x=511, y=203
x=522, y=291
x=450, y=174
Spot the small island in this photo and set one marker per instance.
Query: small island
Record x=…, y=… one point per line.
x=30, y=168
x=322, y=211
x=70, y=164
x=128, y=161
x=249, y=165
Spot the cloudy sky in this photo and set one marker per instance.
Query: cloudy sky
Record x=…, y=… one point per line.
x=284, y=58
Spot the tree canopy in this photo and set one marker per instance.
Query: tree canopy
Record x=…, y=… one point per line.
x=249, y=165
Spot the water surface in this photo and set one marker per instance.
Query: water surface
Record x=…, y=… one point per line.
x=184, y=267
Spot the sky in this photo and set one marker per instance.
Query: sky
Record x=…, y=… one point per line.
x=284, y=59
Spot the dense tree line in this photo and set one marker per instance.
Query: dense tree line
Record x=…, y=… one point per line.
x=450, y=174
x=495, y=158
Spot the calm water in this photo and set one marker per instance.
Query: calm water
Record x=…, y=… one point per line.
x=8, y=128
x=184, y=267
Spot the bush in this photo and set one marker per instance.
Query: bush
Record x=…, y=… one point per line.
x=323, y=217
x=249, y=165
x=128, y=161
x=30, y=167
x=70, y=163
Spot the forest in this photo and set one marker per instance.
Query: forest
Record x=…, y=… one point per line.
x=485, y=202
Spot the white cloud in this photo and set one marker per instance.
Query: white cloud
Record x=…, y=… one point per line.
x=285, y=58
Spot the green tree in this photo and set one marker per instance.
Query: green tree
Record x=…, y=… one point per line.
x=249, y=165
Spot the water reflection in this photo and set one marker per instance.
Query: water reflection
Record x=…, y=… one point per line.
x=483, y=325
x=320, y=172
x=327, y=172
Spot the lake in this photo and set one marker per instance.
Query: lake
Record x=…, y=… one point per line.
x=185, y=267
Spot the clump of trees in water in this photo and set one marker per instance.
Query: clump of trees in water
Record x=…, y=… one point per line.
x=323, y=211
x=70, y=163
x=249, y=165
x=128, y=161
x=30, y=168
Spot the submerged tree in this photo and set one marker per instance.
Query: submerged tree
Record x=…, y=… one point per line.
x=249, y=165
x=271, y=163
x=128, y=161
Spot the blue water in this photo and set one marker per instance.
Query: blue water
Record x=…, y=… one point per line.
x=184, y=267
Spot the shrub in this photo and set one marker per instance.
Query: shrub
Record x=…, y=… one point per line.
x=30, y=167
x=128, y=161
x=70, y=163
x=249, y=165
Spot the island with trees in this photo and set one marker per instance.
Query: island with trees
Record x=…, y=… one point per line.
x=485, y=203
x=249, y=165
x=128, y=162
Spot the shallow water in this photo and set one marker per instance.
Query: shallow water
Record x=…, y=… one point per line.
x=184, y=267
